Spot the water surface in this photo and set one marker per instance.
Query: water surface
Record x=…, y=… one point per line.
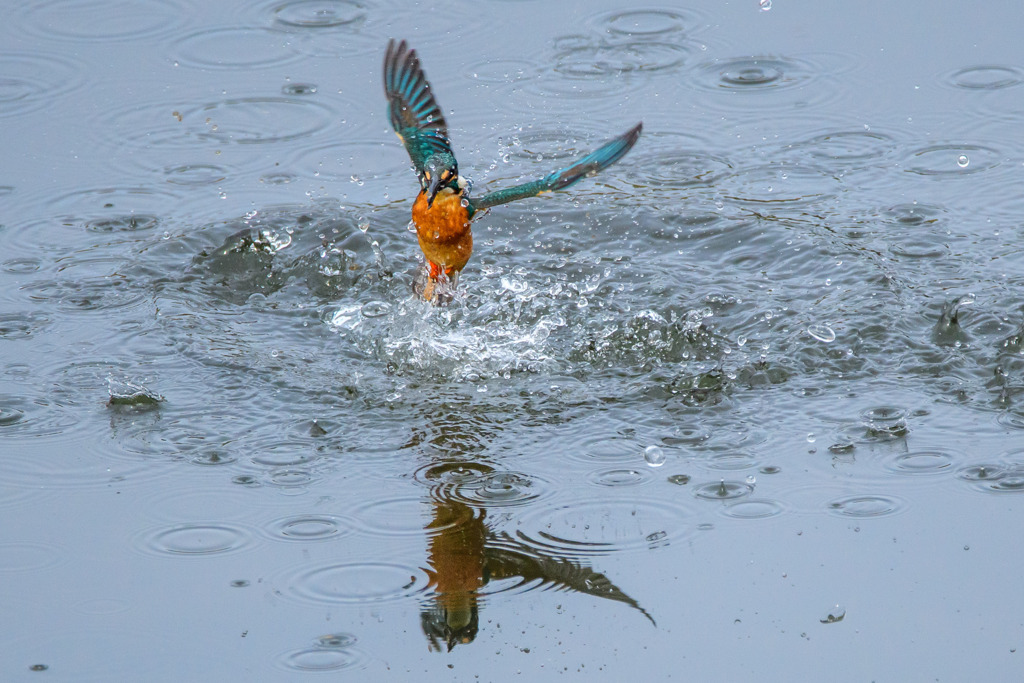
x=748, y=402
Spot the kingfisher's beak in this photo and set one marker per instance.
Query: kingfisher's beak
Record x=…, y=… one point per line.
x=433, y=186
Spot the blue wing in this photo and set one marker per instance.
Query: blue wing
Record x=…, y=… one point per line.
x=413, y=111
x=590, y=165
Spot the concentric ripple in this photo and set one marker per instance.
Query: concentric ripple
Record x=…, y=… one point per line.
x=356, y=583
x=319, y=14
x=925, y=240
x=502, y=71
x=1012, y=481
x=864, y=507
x=549, y=144
x=24, y=420
x=496, y=489
x=242, y=121
x=30, y=80
x=114, y=208
x=600, y=60
x=20, y=326
x=305, y=528
x=952, y=160
x=768, y=82
x=732, y=461
x=982, y=473
x=1007, y=478
x=849, y=147
x=92, y=293
x=452, y=473
x=25, y=556
x=197, y=505
x=10, y=415
x=103, y=20
x=284, y=455
x=323, y=659
x=261, y=120
x=345, y=160
x=609, y=449
x=687, y=435
x=22, y=265
x=196, y=540
x=779, y=184
x=594, y=528
x=248, y=47
x=195, y=175
x=646, y=23
x=986, y=77
x=754, y=73
x=914, y=214
x=921, y=463
x=723, y=490
x=620, y=477
x=291, y=478
x=125, y=223
x=679, y=168
x=754, y=509
x=408, y=516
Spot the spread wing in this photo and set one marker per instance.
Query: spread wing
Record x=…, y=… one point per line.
x=590, y=165
x=507, y=558
x=412, y=108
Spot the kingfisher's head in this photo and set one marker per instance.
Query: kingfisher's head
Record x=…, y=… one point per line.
x=440, y=171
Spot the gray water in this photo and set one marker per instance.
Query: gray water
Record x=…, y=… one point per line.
x=747, y=406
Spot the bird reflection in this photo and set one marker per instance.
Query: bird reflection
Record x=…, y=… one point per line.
x=465, y=554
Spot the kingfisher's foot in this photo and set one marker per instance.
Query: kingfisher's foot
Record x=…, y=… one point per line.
x=435, y=284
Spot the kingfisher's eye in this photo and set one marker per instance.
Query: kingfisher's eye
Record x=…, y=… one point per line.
x=446, y=175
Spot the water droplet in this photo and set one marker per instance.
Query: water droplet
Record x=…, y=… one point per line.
x=364, y=226
x=962, y=161
x=766, y=5
x=837, y=613
x=822, y=333
x=655, y=456
x=811, y=438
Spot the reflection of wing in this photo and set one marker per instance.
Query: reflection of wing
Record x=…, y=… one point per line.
x=412, y=108
x=506, y=559
x=596, y=161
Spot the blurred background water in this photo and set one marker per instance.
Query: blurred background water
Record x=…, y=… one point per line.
x=747, y=406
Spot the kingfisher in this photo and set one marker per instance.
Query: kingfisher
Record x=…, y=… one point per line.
x=443, y=209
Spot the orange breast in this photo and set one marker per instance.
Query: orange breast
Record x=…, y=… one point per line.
x=443, y=230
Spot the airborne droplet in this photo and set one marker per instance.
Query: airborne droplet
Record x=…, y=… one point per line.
x=655, y=456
